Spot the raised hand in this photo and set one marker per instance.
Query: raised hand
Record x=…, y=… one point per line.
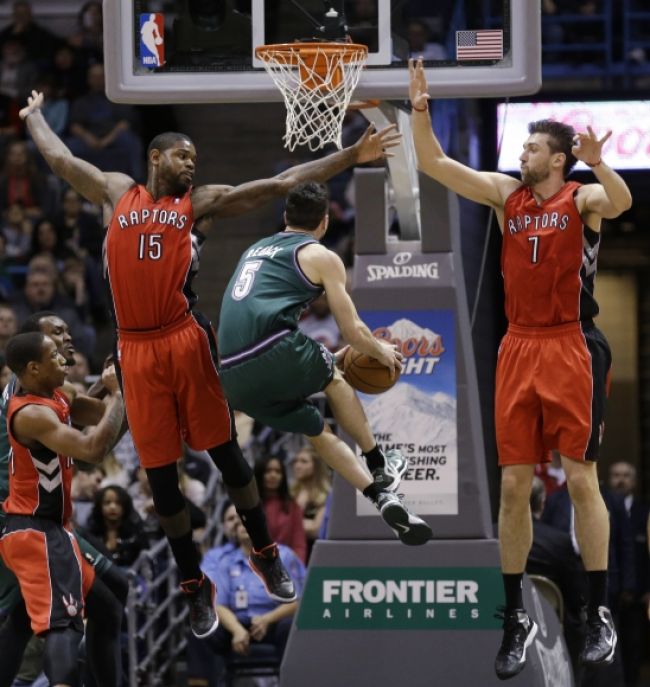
x=34, y=103
x=588, y=148
x=373, y=145
x=418, y=88
x=109, y=379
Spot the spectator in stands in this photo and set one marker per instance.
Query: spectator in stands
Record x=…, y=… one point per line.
x=114, y=521
x=17, y=230
x=73, y=284
x=552, y=474
x=10, y=124
x=79, y=372
x=213, y=556
x=39, y=43
x=102, y=131
x=283, y=514
x=89, y=37
x=22, y=182
x=633, y=615
x=6, y=264
x=193, y=489
x=17, y=72
x=248, y=615
x=558, y=512
x=40, y=293
x=312, y=484
x=319, y=324
x=421, y=42
x=114, y=473
x=80, y=230
x=8, y=325
x=140, y=492
x=553, y=556
x=85, y=484
x=45, y=239
x=5, y=372
x=69, y=73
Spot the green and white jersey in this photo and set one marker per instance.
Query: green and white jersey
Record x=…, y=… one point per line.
x=265, y=296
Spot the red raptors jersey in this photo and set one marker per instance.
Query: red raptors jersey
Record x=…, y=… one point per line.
x=39, y=479
x=148, y=257
x=548, y=259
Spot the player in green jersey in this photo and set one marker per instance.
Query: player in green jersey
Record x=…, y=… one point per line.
x=269, y=368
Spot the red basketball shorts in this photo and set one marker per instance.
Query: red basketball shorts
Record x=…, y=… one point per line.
x=551, y=387
x=54, y=577
x=172, y=391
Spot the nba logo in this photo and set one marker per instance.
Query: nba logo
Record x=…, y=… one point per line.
x=152, y=40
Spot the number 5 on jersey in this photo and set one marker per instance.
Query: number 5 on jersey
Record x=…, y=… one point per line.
x=245, y=280
x=150, y=246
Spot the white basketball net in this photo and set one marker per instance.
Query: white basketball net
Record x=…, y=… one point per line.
x=317, y=87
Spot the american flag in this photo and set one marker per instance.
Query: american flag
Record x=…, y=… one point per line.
x=485, y=44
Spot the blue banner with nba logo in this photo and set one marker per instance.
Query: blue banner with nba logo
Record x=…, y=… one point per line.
x=418, y=415
x=152, y=40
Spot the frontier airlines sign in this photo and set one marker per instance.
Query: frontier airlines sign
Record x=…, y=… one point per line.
x=401, y=598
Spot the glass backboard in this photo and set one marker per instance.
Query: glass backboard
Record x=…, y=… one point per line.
x=182, y=51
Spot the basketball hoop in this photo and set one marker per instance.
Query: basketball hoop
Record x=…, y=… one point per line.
x=316, y=81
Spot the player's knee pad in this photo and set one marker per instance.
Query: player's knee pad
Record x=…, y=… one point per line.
x=230, y=460
x=60, y=658
x=167, y=497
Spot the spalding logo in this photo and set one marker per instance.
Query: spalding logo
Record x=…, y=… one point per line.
x=402, y=258
x=400, y=269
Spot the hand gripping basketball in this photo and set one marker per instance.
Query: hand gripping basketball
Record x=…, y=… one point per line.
x=367, y=374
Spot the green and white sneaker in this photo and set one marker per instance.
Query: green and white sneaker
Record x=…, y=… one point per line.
x=409, y=528
x=390, y=475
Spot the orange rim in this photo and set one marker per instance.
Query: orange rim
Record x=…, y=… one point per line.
x=347, y=51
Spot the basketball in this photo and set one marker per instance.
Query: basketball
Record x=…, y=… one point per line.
x=366, y=374
x=158, y=40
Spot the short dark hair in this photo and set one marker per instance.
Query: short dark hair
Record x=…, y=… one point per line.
x=23, y=349
x=560, y=139
x=33, y=322
x=166, y=140
x=307, y=204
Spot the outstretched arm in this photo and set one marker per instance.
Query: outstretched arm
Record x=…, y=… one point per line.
x=611, y=196
x=322, y=266
x=487, y=188
x=93, y=184
x=230, y=201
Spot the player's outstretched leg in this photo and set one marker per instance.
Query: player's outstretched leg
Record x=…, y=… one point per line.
x=387, y=469
x=409, y=528
x=240, y=483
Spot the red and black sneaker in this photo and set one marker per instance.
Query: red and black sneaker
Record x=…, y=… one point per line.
x=201, y=596
x=268, y=566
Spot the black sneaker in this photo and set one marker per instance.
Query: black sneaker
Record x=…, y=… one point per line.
x=519, y=630
x=268, y=566
x=410, y=528
x=600, y=642
x=390, y=475
x=201, y=595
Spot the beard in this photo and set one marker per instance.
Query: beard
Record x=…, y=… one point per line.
x=531, y=177
x=179, y=188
